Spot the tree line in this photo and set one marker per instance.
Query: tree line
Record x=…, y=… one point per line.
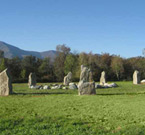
x=116, y=67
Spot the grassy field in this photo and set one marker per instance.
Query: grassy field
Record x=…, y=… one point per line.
x=113, y=111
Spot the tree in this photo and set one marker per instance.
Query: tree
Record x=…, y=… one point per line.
x=46, y=70
x=71, y=65
x=29, y=64
x=83, y=59
x=128, y=69
x=117, y=66
x=105, y=62
x=23, y=73
x=138, y=63
x=63, y=51
x=2, y=64
x=94, y=61
x=63, y=48
x=14, y=65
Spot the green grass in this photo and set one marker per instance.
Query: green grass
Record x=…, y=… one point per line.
x=113, y=111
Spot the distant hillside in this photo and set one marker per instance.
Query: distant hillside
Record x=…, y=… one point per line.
x=11, y=51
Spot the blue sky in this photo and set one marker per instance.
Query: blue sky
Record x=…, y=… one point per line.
x=113, y=26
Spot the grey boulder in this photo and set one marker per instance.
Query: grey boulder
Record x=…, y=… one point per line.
x=46, y=87
x=73, y=87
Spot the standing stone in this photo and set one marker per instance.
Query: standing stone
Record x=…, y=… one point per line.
x=32, y=80
x=136, y=77
x=5, y=83
x=91, y=77
x=103, y=78
x=86, y=85
x=67, y=79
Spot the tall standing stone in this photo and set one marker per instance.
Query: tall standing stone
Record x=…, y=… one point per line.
x=5, y=83
x=86, y=85
x=67, y=79
x=32, y=80
x=136, y=77
x=91, y=77
x=103, y=78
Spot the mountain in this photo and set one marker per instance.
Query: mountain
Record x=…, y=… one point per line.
x=11, y=51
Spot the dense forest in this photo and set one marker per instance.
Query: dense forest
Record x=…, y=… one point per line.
x=116, y=67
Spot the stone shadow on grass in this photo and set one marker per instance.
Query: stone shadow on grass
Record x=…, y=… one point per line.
x=43, y=93
x=61, y=93
x=113, y=94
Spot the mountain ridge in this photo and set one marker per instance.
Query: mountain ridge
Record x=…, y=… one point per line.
x=11, y=51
